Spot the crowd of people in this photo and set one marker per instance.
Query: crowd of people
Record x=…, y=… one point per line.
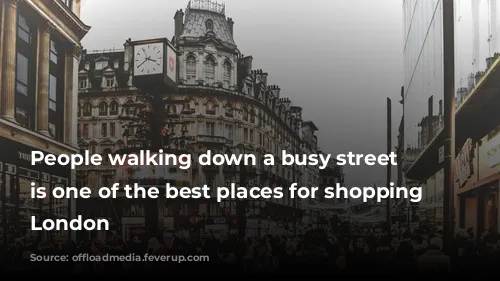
x=314, y=251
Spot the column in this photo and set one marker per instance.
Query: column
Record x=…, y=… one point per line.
x=72, y=58
x=9, y=60
x=42, y=112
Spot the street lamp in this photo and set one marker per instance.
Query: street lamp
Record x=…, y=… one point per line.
x=155, y=120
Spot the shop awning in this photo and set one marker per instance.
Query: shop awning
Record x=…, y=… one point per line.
x=475, y=118
x=478, y=114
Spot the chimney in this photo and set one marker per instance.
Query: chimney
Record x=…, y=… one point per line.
x=276, y=91
x=248, y=64
x=470, y=82
x=179, y=23
x=263, y=78
x=230, y=24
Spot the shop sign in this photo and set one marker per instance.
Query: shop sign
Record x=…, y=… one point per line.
x=24, y=156
x=463, y=163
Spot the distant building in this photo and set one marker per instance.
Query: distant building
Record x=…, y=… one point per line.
x=233, y=110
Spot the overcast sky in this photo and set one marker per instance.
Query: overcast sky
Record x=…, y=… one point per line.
x=338, y=59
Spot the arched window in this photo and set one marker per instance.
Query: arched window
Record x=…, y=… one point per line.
x=210, y=108
x=113, y=108
x=192, y=105
x=252, y=116
x=103, y=108
x=87, y=109
x=129, y=110
x=210, y=69
x=227, y=73
x=191, y=69
x=245, y=114
x=229, y=110
x=209, y=24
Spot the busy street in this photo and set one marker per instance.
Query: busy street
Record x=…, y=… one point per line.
x=368, y=250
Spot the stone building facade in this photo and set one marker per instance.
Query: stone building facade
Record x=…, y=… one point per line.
x=39, y=53
x=233, y=110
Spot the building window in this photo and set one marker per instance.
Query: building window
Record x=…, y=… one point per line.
x=83, y=84
x=25, y=101
x=251, y=136
x=107, y=180
x=245, y=134
x=79, y=110
x=87, y=109
x=56, y=90
x=22, y=74
x=99, y=65
x=104, y=130
x=112, y=130
x=128, y=109
x=53, y=52
x=245, y=114
x=229, y=131
x=103, y=108
x=23, y=29
x=210, y=108
x=210, y=129
x=85, y=132
x=113, y=108
x=229, y=110
x=209, y=24
x=110, y=82
x=52, y=92
x=210, y=69
x=252, y=116
x=78, y=132
x=191, y=69
x=227, y=73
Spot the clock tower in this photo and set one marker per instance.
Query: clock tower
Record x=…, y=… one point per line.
x=154, y=65
x=154, y=73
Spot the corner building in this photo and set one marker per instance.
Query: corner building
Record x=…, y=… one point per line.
x=39, y=54
x=234, y=110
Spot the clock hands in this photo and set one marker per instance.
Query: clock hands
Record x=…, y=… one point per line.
x=147, y=58
x=142, y=63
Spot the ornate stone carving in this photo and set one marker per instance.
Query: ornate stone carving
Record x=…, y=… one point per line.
x=77, y=51
x=47, y=27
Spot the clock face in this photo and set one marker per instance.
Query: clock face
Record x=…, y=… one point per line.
x=148, y=59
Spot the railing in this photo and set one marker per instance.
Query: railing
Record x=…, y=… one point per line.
x=100, y=51
x=207, y=5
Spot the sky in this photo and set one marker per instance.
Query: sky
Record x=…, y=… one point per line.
x=338, y=59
